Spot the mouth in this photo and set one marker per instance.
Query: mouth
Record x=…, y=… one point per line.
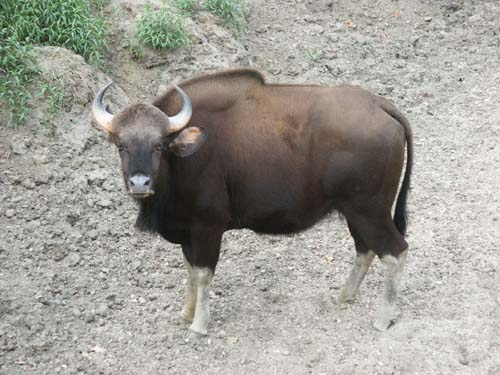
x=141, y=194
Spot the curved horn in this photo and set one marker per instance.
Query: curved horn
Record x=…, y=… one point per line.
x=181, y=119
x=102, y=116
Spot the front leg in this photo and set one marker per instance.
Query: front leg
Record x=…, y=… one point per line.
x=202, y=256
x=203, y=278
x=190, y=300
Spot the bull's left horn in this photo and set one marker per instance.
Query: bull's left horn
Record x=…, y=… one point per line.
x=102, y=116
x=181, y=119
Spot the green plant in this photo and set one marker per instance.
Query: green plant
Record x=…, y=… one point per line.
x=99, y=4
x=136, y=51
x=313, y=54
x=16, y=74
x=54, y=95
x=185, y=5
x=230, y=10
x=163, y=28
x=68, y=23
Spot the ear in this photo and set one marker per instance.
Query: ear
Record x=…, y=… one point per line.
x=188, y=141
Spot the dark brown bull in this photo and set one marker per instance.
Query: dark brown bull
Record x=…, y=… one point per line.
x=241, y=153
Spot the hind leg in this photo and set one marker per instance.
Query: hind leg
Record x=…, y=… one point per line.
x=393, y=269
x=379, y=233
x=362, y=262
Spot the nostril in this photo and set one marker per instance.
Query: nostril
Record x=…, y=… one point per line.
x=140, y=181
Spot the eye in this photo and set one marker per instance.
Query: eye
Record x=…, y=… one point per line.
x=159, y=147
x=121, y=148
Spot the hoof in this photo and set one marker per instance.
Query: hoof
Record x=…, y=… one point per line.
x=383, y=325
x=343, y=299
x=187, y=316
x=198, y=331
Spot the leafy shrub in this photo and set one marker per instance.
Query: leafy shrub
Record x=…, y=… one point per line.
x=163, y=28
x=230, y=10
x=15, y=76
x=65, y=23
x=23, y=23
x=136, y=50
x=184, y=5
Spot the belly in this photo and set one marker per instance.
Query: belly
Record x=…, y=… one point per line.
x=284, y=220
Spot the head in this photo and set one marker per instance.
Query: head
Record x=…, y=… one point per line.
x=144, y=136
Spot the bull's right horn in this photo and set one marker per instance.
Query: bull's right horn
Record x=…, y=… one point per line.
x=181, y=119
x=102, y=117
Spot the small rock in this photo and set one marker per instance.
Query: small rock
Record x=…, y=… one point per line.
x=40, y=345
x=153, y=296
x=333, y=37
x=8, y=344
x=18, y=148
x=42, y=178
x=105, y=202
x=97, y=176
x=263, y=29
x=330, y=55
x=89, y=316
x=108, y=185
x=97, y=349
x=28, y=184
x=102, y=310
x=453, y=7
x=317, y=29
x=73, y=259
x=203, y=18
x=232, y=340
x=93, y=234
x=428, y=19
x=40, y=159
x=475, y=18
x=10, y=212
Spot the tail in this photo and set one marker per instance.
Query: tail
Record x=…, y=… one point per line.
x=400, y=215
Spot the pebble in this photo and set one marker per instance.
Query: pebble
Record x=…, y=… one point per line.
x=73, y=259
x=203, y=18
x=18, y=148
x=10, y=212
x=42, y=178
x=93, y=234
x=317, y=29
x=28, y=184
x=105, y=203
x=89, y=316
x=97, y=176
x=40, y=159
x=102, y=310
x=153, y=296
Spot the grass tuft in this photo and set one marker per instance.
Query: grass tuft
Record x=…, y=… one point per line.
x=232, y=11
x=184, y=5
x=163, y=28
x=23, y=23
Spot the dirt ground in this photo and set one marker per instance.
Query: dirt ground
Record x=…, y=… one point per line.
x=81, y=292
